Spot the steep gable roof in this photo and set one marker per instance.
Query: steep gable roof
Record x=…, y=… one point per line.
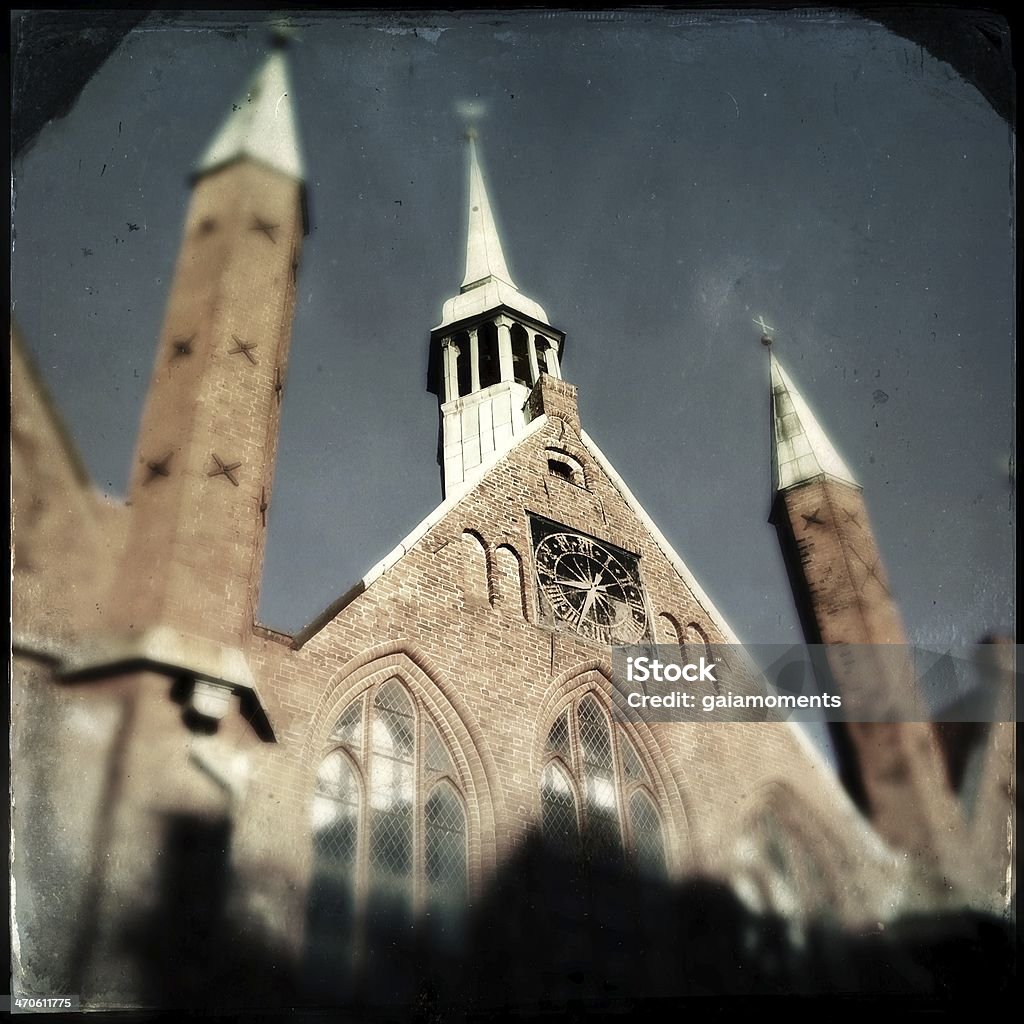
x=393, y=557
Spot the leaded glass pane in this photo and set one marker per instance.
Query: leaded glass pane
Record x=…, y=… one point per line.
x=603, y=833
x=393, y=738
x=391, y=792
x=438, y=758
x=558, y=807
x=594, y=737
x=631, y=763
x=336, y=811
x=332, y=892
x=650, y=849
x=392, y=696
x=446, y=843
x=558, y=738
x=349, y=727
x=391, y=843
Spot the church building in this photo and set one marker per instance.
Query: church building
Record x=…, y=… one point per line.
x=343, y=798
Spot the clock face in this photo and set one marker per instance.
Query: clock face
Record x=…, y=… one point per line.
x=588, y=587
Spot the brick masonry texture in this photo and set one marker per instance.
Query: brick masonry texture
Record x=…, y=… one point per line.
x=106, y=762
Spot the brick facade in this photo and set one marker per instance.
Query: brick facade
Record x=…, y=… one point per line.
x=105, y=754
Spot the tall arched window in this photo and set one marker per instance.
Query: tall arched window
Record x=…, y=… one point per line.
x=521, y=355
x=594, y=785
x=487, y=344
x=464, y=365
x=389, y=838
x=546, y=356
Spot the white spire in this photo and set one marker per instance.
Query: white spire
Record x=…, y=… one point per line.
x=261, y=125
x=484, y=258
x=801, y=450
x=488, y=283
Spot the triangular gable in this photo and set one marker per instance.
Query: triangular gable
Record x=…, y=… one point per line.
x=659, y=538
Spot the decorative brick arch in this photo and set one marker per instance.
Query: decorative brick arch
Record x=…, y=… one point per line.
x=595, y=677
x=511, y=589
x=572, y=461
x=478, y=582
x=478, y=774
x=669, y=630
x=694, y=633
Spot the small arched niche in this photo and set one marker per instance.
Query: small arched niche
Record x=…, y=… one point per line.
x=563, y=466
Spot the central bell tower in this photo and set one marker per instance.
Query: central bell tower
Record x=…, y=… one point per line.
x=491, y=347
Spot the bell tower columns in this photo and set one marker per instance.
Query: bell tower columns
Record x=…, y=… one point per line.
x=490, y=349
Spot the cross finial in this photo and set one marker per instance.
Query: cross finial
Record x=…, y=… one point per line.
x=470, y=111
x=766, y=332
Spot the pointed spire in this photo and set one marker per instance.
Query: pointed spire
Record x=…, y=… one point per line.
x=801, y=449
x=487, y=283
x=484, y=258
x=261, y=124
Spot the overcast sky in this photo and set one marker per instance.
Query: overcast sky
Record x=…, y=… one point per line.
x=659, y=180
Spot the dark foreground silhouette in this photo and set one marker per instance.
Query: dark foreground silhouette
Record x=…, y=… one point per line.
x=553, y=935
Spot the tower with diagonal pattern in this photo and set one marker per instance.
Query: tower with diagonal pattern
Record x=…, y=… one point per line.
x=201, y=481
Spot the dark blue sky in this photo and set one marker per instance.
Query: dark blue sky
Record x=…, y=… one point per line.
x=659, y=180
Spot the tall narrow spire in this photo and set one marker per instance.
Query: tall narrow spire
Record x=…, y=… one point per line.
x=487, y=283
x=484, y=257
x=491, y=349
x=801, y=449
x=261, y=124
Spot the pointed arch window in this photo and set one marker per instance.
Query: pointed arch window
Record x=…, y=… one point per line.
x=558, y=807
x=390, y=836
x=596, y=788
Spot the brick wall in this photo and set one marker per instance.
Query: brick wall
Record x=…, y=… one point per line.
x=195, y=548
x=459, y=626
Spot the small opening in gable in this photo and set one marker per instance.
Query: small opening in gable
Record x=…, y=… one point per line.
x=560, y=469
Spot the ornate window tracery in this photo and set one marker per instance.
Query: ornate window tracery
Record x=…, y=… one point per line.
x=595, y=789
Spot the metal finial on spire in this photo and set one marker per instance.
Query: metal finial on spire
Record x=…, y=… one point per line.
x=766, y=332
x=282, y=34
x=471, y=112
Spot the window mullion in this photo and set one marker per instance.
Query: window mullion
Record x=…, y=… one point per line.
x=576, y=758
x=418, y=812
x=619, y=784
x=362, y=860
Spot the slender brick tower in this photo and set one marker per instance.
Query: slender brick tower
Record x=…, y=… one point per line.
x=892, y=770
x=200, y=485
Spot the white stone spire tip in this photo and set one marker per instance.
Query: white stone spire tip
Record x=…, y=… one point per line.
x=801, y=450
x=484, y=256
x=261, y=124
x=487, y=283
